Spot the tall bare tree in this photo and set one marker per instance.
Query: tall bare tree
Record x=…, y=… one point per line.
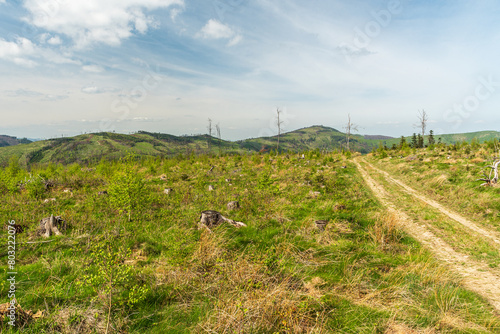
x=349, y=128
x=278, y=124
x=422, y=122
x=217, y=127
x=209, y=127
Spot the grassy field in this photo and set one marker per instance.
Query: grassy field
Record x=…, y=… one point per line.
x=135, y=261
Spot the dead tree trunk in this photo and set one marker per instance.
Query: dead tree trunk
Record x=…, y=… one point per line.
x=489, y=180
x=211, y=218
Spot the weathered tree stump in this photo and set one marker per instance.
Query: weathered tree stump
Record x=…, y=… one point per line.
x=211, y=188
x=212, y=218
x=339, y=207
x=321, y=224
x=101, y=193
x=233, y=205
x=228, y=180
x=51, y=225
x=168, y=190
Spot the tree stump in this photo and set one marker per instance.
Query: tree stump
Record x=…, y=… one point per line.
x=234, y=205
x=321, y=224
x=339, y=207
x=211, y=188
x=51, y=225
x=212, y=218
x=101, y=193
x=168, y=190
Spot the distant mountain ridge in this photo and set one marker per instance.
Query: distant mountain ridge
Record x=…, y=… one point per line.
x=92, y=147
x=10, y=141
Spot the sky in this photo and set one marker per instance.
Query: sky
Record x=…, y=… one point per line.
x=69, y=67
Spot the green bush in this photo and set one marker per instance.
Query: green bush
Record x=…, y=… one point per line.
x=127, y=191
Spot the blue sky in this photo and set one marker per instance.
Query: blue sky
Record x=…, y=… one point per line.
x=69, y=67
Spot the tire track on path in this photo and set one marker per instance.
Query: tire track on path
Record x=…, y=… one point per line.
x=475, y=276
x=495, y=237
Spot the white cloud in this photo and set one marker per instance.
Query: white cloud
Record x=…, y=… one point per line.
x=94, y=21
x=174, y=13
x=235, y=40
x=56, y=40
x=93, y=69
x=92, y=90
x=25, y=93
x=17, y=51
x=216, y=30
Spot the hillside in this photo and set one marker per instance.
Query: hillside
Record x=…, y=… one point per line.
x=453, y=138
x=11, y=141
x=311, y=138
x=92, y=147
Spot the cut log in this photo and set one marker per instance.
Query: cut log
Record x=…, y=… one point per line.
x=51, y=225
x=211, y=218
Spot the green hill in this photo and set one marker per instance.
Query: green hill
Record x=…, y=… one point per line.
x=453, y=138
x=310, y=138
x=10, y=141
x=93, y=147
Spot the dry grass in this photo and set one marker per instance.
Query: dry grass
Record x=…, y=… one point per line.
x=275, y=307
x=398, y=328
x=450, y=321
x=438, y=181
x=477, y=160
x=386, y=230
x=77, y=320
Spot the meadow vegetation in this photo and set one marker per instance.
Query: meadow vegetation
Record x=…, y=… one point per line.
x=134, y=261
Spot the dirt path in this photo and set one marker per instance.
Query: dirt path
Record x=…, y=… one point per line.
x=476, y=276
x=495, y=237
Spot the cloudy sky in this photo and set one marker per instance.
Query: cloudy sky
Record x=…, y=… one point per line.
x=74, y=66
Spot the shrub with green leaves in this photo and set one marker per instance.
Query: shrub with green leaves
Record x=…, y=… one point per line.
x=127, y=191
x=109, y=278
x=35, y=186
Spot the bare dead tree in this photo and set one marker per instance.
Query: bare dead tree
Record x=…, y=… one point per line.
x=217, y=127
x=492, y=178
x=278, y=124
x=349, y=128
x=422, y=122
x=209, y=127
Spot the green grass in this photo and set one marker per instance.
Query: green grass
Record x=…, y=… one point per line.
x=277, y=275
